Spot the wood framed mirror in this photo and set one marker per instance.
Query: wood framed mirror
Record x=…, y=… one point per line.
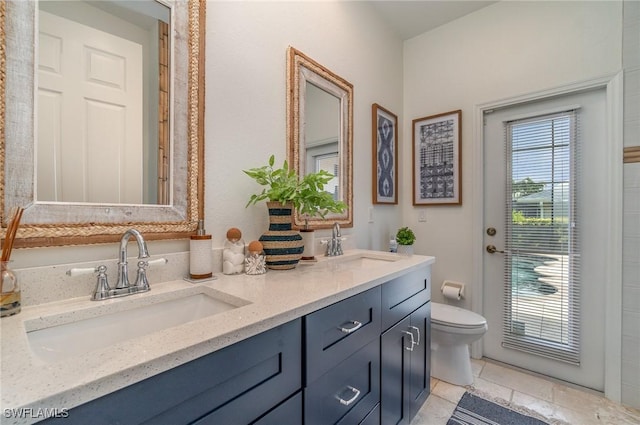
x=320, y=131
x=176, y=203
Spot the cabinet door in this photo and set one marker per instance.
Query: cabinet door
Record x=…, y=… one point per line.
x=406, y=367
x=395, y=374
x=420, y=363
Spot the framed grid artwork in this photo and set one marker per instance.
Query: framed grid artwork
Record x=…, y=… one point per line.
x=437, y=159
x=384, y=134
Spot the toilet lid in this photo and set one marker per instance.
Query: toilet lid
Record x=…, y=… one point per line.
x=456, y=316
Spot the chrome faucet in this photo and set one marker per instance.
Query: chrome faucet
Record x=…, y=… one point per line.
x=123, y=269
x=102, y=290
x=334, y=246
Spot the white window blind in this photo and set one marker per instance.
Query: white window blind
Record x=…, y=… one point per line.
x=542, y=261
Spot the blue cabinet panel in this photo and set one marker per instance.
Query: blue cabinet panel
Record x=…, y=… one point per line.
x=406, y=367
x=373, y=418
x=288, y=412
x=404, y=294
x=347, y=393
x=235, y=385
x=339, y=330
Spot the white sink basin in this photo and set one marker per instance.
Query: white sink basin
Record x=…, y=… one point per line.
x=53, y=342
x=363, y=260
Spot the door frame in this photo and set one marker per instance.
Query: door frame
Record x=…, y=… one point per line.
x=613, y=84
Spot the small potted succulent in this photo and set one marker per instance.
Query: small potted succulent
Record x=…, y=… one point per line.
x=405, y=239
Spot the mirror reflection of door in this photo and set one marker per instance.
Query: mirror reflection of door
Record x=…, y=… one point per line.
x=100, y=137
x=322, y=135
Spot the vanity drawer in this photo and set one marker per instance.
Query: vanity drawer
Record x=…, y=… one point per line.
x=348, y=393
x=339, y=330
x=404, y=294
x=236, y=384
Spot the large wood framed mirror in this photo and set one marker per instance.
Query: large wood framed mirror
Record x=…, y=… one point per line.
x=320, y=131
x=106, y=133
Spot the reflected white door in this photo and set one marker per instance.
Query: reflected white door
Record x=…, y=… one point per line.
x=590, y=313
x=90, y=141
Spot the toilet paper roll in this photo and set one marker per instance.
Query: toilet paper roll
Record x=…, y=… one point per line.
x=451, y=292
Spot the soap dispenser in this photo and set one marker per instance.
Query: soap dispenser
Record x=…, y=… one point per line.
x=200, y=258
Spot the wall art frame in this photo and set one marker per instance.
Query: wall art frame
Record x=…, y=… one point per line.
x=384, y=143
x=437, y=159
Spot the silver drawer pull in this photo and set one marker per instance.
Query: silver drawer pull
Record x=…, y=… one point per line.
x=356, y=394
x=418, y=332
x=413, y=342
x=357, y=325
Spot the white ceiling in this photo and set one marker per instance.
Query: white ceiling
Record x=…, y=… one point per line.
x=411, y=18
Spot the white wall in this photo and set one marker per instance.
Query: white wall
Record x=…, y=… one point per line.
x=246, y=110
x=245, y=120
x=504, y=50
x=631, y=244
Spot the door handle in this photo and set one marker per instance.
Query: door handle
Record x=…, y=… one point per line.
x=492, y=250
x=413, y=341
x=417, y=329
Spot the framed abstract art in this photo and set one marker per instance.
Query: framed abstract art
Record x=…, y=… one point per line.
x=384, y=133
x=437, y=159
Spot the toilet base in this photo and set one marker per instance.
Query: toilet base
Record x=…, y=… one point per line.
x=452, y=364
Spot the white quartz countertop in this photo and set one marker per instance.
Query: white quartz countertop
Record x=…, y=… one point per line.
x=265, y=301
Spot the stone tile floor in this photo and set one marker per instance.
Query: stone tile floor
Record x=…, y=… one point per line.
x=552, y=399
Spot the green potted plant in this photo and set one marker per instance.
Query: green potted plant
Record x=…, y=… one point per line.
x=284, y=191
x=315, y=201
x=405, y=239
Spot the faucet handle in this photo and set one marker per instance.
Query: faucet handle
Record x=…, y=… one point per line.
x=157, y=262
x=142, y=283
x=78, y=271
x=102, y=289
x=102, y=284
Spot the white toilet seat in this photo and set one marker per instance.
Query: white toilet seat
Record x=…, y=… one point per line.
x=449, y=328
x=456, y=317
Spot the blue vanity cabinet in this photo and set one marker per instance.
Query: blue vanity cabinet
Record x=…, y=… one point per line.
x=342, y=362
x=361, y=361
x=244, y=383
x=405, y=347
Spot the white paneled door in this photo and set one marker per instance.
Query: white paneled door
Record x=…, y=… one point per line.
x=544, y=181
x=90, y=141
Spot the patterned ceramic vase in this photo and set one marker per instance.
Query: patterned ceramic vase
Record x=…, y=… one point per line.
x=405, y=249
x=282, y=245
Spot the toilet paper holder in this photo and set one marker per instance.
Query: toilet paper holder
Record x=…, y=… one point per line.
x=459, y=287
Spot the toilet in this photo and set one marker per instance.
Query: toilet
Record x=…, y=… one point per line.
x=452, y=330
